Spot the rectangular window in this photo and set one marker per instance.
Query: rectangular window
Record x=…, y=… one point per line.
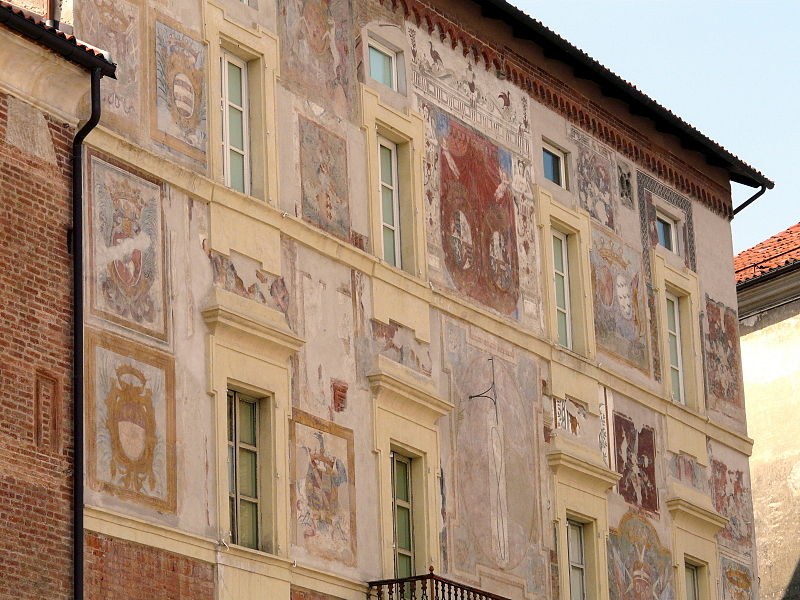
x=554, y=165
x=235, y=124
x=577, y=560
x=675, y=350
x=665, y=227
x=692, y=582
x=562, y=291
x=390, y=202
x=382, y=65
x=243, y=476
x=402, y=512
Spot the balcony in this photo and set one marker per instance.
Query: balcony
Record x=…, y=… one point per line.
x=425, y=587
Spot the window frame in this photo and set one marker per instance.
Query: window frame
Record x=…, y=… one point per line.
x=565, y=275
x=373, y=44
x=395, y=457
x=690, y=567
x=235, y=398
x=394, y=187
x=675, y=300
x=561, y=155
x=575, y=564
x=225, y=105
x=673, y=227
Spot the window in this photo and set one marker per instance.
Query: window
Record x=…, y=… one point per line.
x=382, y=64
x=554, y=165
x=235, y=124
x=577, y=561
x=243, y=476
x=561, y=287
x=665, y=227
x=402, y=512
x=692, y=581
x=390, y=202
x=675, y=350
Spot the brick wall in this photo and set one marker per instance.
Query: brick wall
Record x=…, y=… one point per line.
x=35, y=354
x=120, y=569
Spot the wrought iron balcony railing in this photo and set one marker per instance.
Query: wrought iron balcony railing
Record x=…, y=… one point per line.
x=426, y=587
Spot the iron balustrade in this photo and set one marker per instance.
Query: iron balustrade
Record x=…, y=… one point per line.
x=425, y=587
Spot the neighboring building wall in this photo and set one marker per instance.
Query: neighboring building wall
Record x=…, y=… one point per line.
x=36, y=353
x=769, y=308
x=193, y=289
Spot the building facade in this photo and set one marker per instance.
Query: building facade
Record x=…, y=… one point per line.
x=768, y=287
x=378, y=286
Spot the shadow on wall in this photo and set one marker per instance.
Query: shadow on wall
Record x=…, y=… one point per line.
x=793, y=589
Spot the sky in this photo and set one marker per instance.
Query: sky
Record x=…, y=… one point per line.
x=731, y=68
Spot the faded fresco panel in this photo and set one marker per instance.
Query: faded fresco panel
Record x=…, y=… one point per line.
x=619, y=309
x=179, y=119
x=639, y=567
x=635, y=452
x=317, y=51
x=323, y=175
x=625, y=184
x=732, y=499
x=27, y=129
x=595, y=179
x=300, y=593
x=126, y=242
x=737, y=580
x=242, y=276
x=688, y=471
x=478, y=232
x=399, y=344
x=323, y=488
x=115, y=25
x=722, y=361
x=492, y=506
x=131, y=421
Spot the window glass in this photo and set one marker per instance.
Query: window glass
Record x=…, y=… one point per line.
x=243, y=476
x=561, y=288
x=552, y=166
x=381, y=66
x=692, y=589
x=674, y=343
x=665, y=233
x=234, y=83
x=402, y=507
x=236, y=151
x=390, y=202
x=577, y=560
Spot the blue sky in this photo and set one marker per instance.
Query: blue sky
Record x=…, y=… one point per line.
x=730, y=68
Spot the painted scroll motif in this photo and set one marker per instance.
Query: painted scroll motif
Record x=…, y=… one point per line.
x=323, y=488
x=131, y=421
x=126, y=240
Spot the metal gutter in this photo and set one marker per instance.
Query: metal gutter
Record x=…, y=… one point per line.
x=584, y=66
x=773, y=274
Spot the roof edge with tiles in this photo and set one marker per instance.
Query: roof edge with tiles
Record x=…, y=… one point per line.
x=68, y=46
x=770, y=257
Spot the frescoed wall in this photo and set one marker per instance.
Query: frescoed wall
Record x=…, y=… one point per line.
x=635, y=457
x=737, y=580
x=323, y=173
x=619, y=300
x=595, y=181
x=731, y=493
x=323, y=488
x=639, y=567
x=722, y=361
x=131, y=421
x=179, y=118
x=127, y=248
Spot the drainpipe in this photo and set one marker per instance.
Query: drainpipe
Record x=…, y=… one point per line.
x=52, y=8
x=77, y=335
x=750, y=200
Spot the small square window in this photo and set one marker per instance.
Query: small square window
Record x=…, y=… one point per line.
x=554, y=162
x=665, y=227
x=383, y=65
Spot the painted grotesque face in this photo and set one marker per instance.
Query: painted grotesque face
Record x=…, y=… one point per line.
x=624, y=298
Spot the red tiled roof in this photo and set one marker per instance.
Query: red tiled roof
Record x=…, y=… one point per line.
x=778, y=251
x=48, y=30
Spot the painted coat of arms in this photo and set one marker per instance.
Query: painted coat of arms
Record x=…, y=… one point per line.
x=127, y=254
x=180, y=115
x=323, y=488
x=131, y=421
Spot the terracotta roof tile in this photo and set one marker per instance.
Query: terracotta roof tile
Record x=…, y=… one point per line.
x=39, y=22
x=778, y=251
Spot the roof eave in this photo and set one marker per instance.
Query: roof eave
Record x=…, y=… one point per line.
x=612, y=85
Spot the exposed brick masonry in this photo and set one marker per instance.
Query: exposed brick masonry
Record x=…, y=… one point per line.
x=35, y=368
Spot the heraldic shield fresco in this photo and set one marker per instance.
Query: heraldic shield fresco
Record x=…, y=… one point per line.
x=619, y=304
x=478, y=232
x=639, y=567
x=127, y=248
x=131, y=421
x=179, y=120
x=323, y=488
x=737, y=580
